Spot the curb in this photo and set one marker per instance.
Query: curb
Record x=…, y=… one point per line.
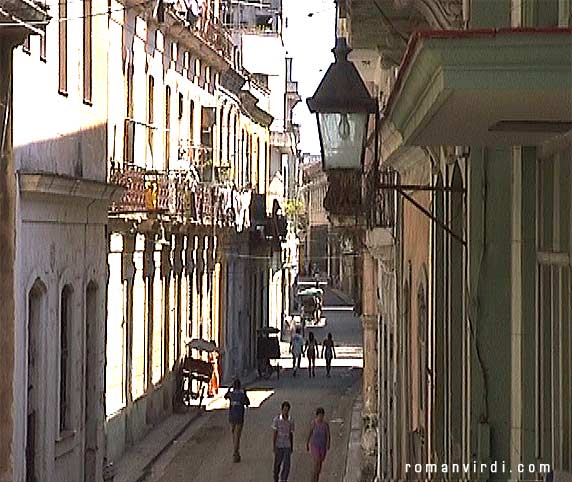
x=146, y=471
x=354, y=454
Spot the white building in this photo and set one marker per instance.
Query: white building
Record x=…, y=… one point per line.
x=59, y=125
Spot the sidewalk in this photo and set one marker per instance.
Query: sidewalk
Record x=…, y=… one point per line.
x=137, y=463
x=354, y=457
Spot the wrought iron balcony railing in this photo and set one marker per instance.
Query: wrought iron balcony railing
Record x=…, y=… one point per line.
x=272, y=227
x=176, y=193
x=380, y=202
x=216, y=35
x=197, y=155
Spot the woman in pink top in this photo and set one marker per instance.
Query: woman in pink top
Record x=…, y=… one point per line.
x=318, y=442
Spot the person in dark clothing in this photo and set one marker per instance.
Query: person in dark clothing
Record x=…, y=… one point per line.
x=238, y=401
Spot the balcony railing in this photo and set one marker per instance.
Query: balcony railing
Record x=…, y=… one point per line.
x=197, y=155
x=266, y=227
x=380, y=203
x=176, y=193
x=216, y=35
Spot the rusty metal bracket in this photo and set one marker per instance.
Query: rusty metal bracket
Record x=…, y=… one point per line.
x=427, y=213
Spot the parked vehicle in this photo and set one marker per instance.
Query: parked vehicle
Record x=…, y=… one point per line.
x=311, y=302
x=194, y=372
x=267, y=348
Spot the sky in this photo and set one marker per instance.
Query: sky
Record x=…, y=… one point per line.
x=309, y=41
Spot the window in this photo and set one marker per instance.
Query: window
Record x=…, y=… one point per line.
x=87, y=52
x=63, y=47
x=150, y=111
x=236, y=144
x=245, y=174
x=167, y=126
x=405, y=332
x=220, y=137
x=36, y=320
x=422, y=336
x=229, y=153
x=129, y=135
x=181, y=107
x=259, y=172
x=43, y=47
x=65, y=358
x=192, y=123
x=26, y=44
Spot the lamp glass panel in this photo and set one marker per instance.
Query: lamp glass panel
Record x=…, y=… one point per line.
x=342, y=137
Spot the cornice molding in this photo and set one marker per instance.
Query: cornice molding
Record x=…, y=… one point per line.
x=38, y=183
x=441, y=14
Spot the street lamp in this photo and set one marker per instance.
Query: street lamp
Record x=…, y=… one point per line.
x=342, y=105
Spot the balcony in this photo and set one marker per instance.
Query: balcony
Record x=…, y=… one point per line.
x=380, y=202
x=203, y=34
x=510, y=87
x=216, y=35
x=176, y=194
x=24, y=16
x=266, y=227
x=199, y=159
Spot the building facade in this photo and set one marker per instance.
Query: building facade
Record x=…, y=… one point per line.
x=137, y=218
x=472, y=317
x=57, y=176
x=258, y=27
x=190, y=139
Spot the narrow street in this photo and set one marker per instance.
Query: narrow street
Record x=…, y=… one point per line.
x=203, y=453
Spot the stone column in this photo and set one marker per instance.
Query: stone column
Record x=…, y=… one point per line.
x=127, y=276
x=369, y=324
x=179, y=295
x=210, y=288
x=200, y=279
x=149, y=276
x=166, y=269
x=230, y=317
x=190, y=274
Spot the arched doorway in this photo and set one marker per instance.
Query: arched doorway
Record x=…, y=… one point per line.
x=36, y=319
x=91, y=409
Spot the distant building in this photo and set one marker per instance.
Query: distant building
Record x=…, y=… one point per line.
x=257, y=27
x=323, y=248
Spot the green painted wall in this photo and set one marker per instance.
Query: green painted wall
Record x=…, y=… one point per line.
x=490, y=219
x=528, y=303
x=490, y=14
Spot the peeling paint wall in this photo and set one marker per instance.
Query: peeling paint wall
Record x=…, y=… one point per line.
x=60, y=239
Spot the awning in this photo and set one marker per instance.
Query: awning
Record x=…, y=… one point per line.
x=486, y=87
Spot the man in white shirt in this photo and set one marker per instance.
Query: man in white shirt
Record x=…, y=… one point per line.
x=282, y=443
x=297, y=349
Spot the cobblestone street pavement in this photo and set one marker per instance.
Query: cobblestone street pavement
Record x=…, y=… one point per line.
x=204, y=454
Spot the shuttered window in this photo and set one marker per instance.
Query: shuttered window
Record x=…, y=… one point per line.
x=87, y=52
x=63, y=47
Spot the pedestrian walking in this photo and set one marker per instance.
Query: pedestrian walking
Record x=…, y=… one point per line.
x=297, y=350
x=311, y=352
x=238, y=401
x=318, y=442
x=282, y=443
x=328, y=352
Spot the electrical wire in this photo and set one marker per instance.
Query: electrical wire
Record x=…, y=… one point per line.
x=65, y=19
